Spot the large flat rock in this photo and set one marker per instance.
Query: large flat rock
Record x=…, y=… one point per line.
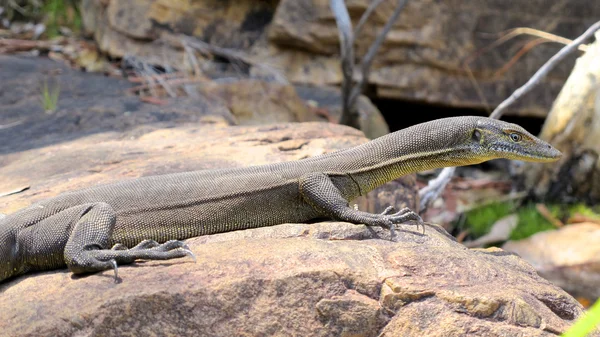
x=423, y=58
x=326, y=279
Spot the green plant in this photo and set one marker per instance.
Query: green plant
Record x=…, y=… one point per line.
x=50, y=97
x=586, y=323
x=54, y=13
x=61, y=13
x=591, y=212
x=480, y=220
x=531, y=222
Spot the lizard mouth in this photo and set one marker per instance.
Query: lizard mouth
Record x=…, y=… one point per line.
x=548, y=154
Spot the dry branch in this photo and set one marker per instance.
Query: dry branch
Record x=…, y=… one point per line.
x=229, y=54
x=429, y=193
x=16, y=45
x=366, y=15
x=544, y=70
x=350, y=91
x=342, y=18
x=367, y=60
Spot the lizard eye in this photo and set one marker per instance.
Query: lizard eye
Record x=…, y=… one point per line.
x=515, y=137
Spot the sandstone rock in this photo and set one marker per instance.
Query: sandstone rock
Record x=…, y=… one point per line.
x=422, y=58
x=129, y=27
x=568, y=257
x=255, y=102
x=91, y=103
x=372, y=122
x=325, y=279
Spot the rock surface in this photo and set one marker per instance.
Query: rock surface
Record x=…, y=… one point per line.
x=372, y=122
x=568, y=257
x=424, y=54
x=130, y=27
x=255, y=102
x=422, y=59
x=92, y=103
x=325, y=279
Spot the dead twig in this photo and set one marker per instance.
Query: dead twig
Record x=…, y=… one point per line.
x=546, y=214
x=16, y=45
x=141, y=79
x=367, y=60
x=513, y=60
x=512, y=33
x=503, y=38
x=544, y=70
x=15, y=191
x=344, y=25
x=153, y=100
x=435, y=187
x=366, y=15
x=350, y=92
x=579, y=218
x=229, y=54
x=10, y=125
x=171, y=82
x=477, y=88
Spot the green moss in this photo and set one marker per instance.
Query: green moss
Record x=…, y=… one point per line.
x=531, y=222
x=480, y=220
x=591, y=212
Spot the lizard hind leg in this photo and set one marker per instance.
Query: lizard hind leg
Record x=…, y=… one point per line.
x=87, y=251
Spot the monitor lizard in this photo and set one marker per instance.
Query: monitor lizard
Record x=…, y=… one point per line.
x=100, y=227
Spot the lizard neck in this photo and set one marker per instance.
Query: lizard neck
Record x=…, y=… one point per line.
x=436, y=144
x=370, y=177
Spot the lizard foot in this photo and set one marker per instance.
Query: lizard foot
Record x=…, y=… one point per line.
x=92, y=260
x=147, y=250
x=389, y=217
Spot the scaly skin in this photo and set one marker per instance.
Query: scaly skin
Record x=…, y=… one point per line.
x=144, y=218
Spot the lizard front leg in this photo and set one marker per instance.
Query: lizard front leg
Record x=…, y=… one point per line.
x=320, y=192
x=87, y=250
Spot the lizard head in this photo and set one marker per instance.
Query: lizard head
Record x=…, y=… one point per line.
x=499, y=139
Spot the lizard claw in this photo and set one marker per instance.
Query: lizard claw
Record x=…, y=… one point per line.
x=189, y=253
x=113, y=262
x=422, y=223
x=403, y=216
x=389, y=210
x=419, y=222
